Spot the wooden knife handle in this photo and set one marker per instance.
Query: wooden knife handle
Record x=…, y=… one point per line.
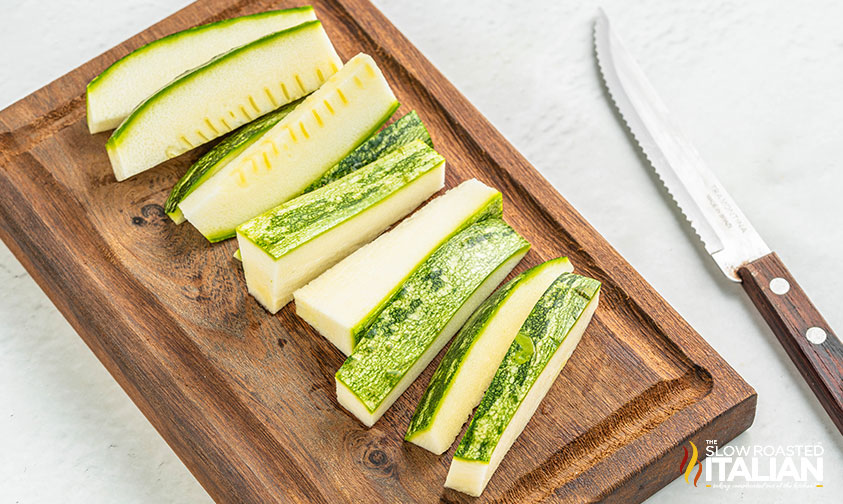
x=802, y=331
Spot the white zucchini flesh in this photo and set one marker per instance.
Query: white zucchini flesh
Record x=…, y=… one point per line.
x=273, y=281
x=338, y=302
x=221, y=95
x=325, y=127
x=349, y=400
x=471, y=477
x=113, y=94
x=479, y=364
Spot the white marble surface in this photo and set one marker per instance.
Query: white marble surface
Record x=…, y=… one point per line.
x=756, y=84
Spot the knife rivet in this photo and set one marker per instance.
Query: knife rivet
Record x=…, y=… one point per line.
x=815, y=335
x=779, y=286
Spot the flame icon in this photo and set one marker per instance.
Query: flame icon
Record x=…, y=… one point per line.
x=689, y=468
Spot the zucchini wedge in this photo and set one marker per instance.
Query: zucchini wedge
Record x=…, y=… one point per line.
x=291, y=244
x=428, y=310
x=470, y=363
x=294, y=153
x=113, y=94
x=215, y=98
x=335, y=304
x=401, y=132
x=222, y=153
x=540, y=350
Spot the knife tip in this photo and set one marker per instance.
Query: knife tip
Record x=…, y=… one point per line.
x=602, y=18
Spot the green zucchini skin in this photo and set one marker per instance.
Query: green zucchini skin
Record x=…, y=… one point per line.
x=452, y=361
x=287, y=226
x=433, y=294
x=226, y=150
x=403, y=131
x=540, y=336
x=493, y=210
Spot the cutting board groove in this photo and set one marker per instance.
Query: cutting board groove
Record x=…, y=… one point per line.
x=247, y=399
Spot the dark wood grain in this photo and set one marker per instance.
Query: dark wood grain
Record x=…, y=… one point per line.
x=247, y=399
x=791, y=314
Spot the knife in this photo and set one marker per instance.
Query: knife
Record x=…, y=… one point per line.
x=724, y=230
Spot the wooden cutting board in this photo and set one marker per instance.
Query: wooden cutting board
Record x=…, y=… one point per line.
x=247, y=399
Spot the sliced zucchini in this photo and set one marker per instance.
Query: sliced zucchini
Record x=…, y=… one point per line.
x=540, y=350
x=291, y=244
x=222, y=153
x=113, y=94
x=401, y=132
x=294, y=153
x=430, y=307
x=470, y=363
x=228, y=91
x=344, y=301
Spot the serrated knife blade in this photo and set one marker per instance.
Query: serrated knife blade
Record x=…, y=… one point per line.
x=725, y=231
